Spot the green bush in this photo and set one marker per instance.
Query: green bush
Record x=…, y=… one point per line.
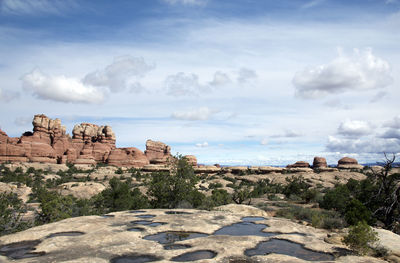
x=119, y=197
x=11, y=209
x=356, y=211
x=296, y=185
x=336, y=198
x=170, y=189
x=361, y=237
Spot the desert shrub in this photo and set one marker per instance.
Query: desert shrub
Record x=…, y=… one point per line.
x=11, y=209
x=169, y=189
x=360, y=237
x=241, y=194
x=266, y=186
x=336, y=198
x=118, y=197
x=296, y=185
x=356, y=211
x=214, y=185
x=220, y=197
x=119, y=171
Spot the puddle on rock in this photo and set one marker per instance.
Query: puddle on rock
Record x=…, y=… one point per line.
x=136, y=211
x=66, y=234
x=244, y=229
x=170, y=237
x=147, y=223
x=176, y=246
x=289, y=248
x=135, y=229
x=252, y=218
x=21, y=249
x=135, y=259
x=146, y=216
x=107, y=216
x=177, y=213
x=195, y=255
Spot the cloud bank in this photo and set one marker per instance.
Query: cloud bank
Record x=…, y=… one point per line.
x=201, y=114
x=361, y=71
x=60, y=88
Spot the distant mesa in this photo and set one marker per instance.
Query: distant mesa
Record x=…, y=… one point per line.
x=90, y=144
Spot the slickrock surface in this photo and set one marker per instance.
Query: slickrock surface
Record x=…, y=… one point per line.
x=118, y=235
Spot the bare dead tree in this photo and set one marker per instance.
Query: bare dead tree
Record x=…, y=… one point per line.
x=388, y=192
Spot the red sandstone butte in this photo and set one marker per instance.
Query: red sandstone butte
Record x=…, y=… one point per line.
x=90, y=144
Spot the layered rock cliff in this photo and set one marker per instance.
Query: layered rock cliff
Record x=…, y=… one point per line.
x=90, y=144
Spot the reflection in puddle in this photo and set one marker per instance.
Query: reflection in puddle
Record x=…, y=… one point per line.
x=196, y=255
x=244, y=229
x=135, y=259
x=135, y=229
x=21, y=250
x=252, y=218
x=146, y=216
x=177, y=213
x=170, y=237
x=287, y=248
x=147, y=223
x=66, y=234
x=176, y=246
x=136, y=211
x=107, y=216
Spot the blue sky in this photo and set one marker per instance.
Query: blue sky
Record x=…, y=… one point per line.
x=232, y=82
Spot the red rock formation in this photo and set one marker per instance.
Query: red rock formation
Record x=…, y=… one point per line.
x=319, y=162
x=157, y=152
x=347, y=161
x=129, y=157
x=90, y=144
x=299, y=164
x=191, y=159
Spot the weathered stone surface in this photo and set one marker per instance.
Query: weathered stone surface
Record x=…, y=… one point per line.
x=105, y=238
x=298, y=170
x=191, y=159
x=128, y=157
x=299, y=164
x=82, y=190
x=157, y=152
x=22, y=191
x=207, y=169
x=390, y=241
x=348, y=163
x=89, y=145
x=155, y=168
x=269, y=169
x=319, y=162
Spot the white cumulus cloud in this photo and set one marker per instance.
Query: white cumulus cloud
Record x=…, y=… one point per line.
x=354, y=128
x=200, y=114
x=122, y=74
x=220, y=79
x=182, y=84
x=361, y=71
x=376, y=145
x=60, y=88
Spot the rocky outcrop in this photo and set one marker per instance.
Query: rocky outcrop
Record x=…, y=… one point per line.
x=129, y=157
x=299, y=164
x=90, y=144
x=348, y=163
x=191, y=159
x=319, y=162
x=157, y=152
